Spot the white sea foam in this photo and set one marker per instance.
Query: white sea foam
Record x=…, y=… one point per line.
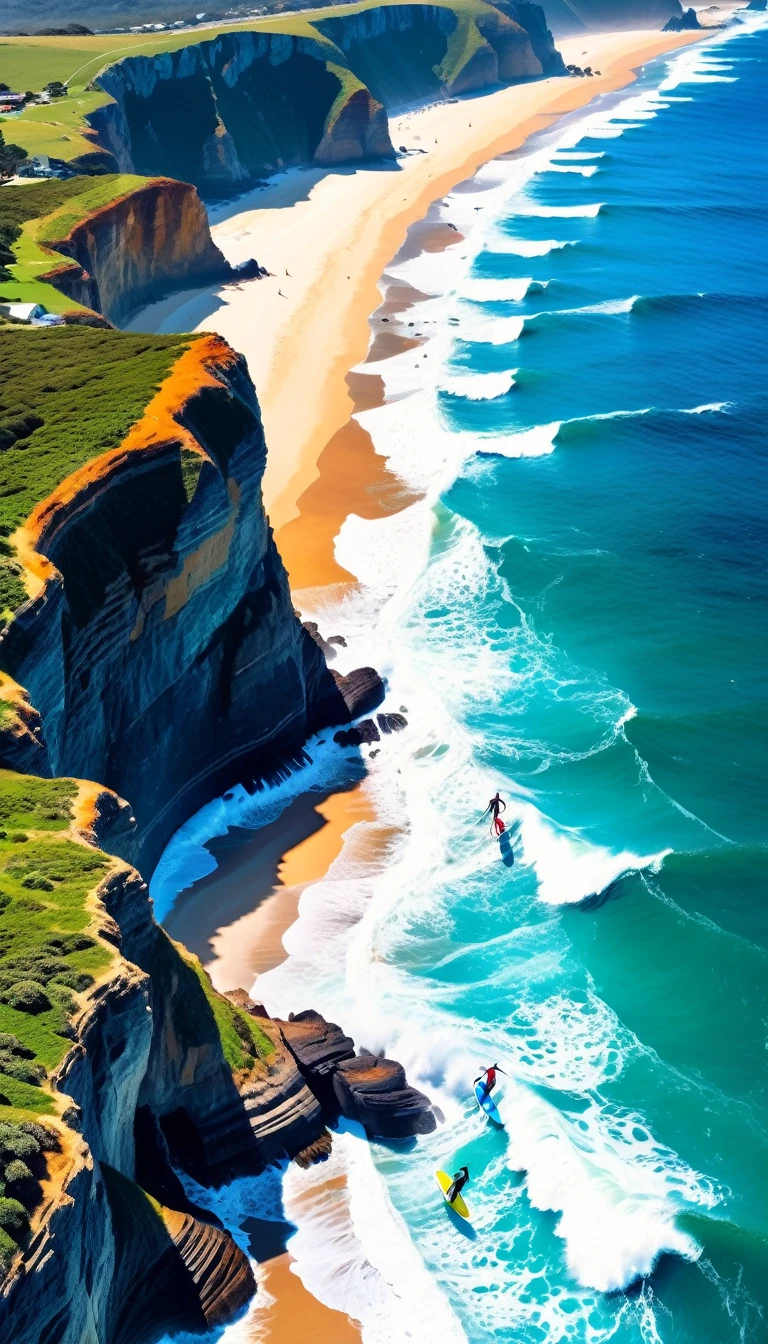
x=558, y=211
x=710, y=406
x=483, y=291
x=585, y=170
x=477, y=386
x=535, y=442
x=524, y=247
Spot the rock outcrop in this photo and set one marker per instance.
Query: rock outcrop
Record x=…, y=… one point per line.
x=688, y=20
x=366, y=1088
x=569, y=17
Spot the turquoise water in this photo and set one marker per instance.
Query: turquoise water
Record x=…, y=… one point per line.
x=576, y=614
x=613, y=659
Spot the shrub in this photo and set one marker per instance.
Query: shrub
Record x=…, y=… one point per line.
x=8, y=1249
x=13, y=1217
x=34, y=882
x=26, y=996
x=20, y=1068
x=12, y=1043
x=15, y=1141
x=18, y=837
x=17, y=1171
x=47, y=1139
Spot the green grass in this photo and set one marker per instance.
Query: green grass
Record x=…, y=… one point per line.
x=47, y=212
x=60, y=129
x=87, y=387
x=45, y=882
x=242, y=1039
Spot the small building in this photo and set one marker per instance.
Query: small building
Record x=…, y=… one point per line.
x=42, y=166
x=11, y=102
x=23, y=312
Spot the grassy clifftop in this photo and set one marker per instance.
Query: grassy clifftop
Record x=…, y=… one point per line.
x=34, y=217
x=63, y=130
x=67, y=395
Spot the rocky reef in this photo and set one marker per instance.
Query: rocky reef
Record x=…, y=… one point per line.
x=223, y=113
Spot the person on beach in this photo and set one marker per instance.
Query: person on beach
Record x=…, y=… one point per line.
x=488, y=1078
x=460, y=1179
x=496, y=805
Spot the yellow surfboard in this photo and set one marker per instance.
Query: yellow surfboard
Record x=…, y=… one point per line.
x=445, y=1182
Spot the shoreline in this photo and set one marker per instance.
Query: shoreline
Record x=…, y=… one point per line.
x=324, y=464
x=328, y=236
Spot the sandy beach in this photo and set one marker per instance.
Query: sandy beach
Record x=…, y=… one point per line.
x=326, y=237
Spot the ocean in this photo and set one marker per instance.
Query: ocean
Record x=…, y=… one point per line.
x=574, y=613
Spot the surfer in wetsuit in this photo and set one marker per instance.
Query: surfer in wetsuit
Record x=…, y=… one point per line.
x=488, y=1078
x=496, y=805
x=460, y=1179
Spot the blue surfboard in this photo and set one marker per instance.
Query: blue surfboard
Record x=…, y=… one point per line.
x=485, y=1101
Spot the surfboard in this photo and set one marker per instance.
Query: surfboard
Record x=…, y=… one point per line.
x=486, y=1101
x=445, y=1182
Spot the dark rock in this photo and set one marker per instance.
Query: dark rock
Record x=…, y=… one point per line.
x=682, y=23
x=375, y=1093
x=313, y=631
x=318, y=1047
x=362, y=690
x=338, y=639
x=391, y=723
x=355, y=737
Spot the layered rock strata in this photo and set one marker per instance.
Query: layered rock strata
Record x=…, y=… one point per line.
x=160, y=649
x=366, y=1088
x=138, y=248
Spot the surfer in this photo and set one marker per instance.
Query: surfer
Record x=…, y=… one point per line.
x=460, y=1179
x=496, y=805
x=488, y=1078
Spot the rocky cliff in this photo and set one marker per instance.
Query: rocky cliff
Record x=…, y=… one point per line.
x=225, y=112
x=137, y=248
x=159, y=647
x=158, y=650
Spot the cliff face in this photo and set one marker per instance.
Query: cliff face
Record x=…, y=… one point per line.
x=137, y=248
x=223, y=113
x=161, y=650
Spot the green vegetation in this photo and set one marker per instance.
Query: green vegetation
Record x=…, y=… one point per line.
x=22, y=1165
x=242, y=1039
x=46, y=954
x=10, y=157
x=61, y=128
x=68, y=398
x=44, y=212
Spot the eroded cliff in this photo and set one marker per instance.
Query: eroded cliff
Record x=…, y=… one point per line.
x=222, y=113
x=157, y=649
x=109, y=245
x=160, y=646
